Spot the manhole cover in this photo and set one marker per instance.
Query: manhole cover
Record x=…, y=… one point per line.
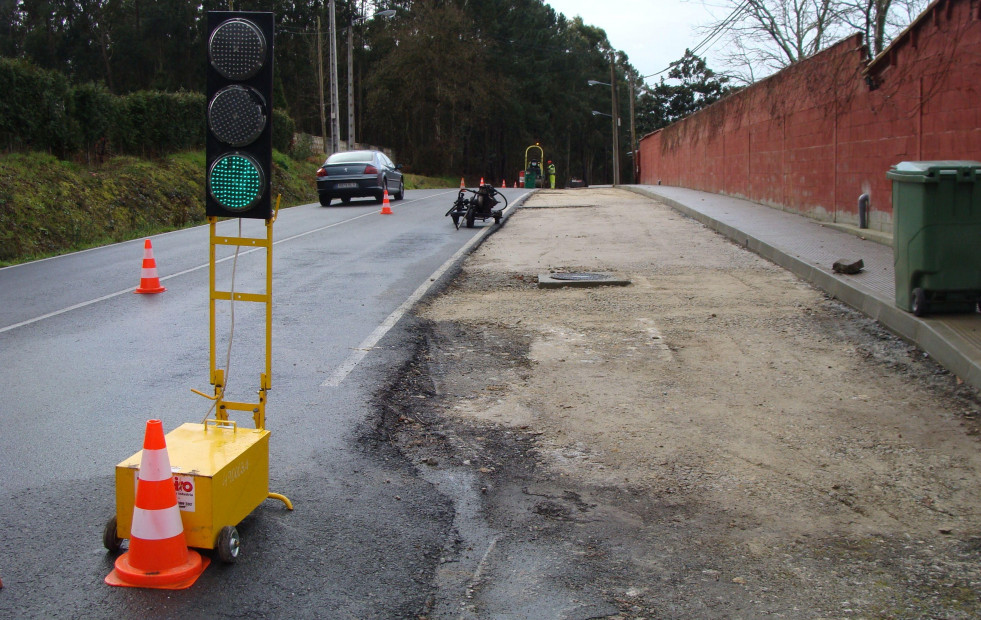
x=579, y=277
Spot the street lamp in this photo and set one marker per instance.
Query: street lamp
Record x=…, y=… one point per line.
x=613, y=116
x=350, y=71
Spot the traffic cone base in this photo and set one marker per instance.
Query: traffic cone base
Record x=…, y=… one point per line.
x=149, y=280
x=386, y=208
x=179, y=577
x=158, y=556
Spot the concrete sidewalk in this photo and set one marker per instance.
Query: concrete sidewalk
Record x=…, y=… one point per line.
x=809, y=248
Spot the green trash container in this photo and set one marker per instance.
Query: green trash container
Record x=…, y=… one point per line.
x=936, y=218
x=530, y=177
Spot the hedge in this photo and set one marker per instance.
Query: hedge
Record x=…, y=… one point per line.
x=42, y=111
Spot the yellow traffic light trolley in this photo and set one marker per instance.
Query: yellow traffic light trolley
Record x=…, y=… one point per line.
x=221, y=470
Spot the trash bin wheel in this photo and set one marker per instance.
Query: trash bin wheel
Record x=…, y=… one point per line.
x=110, y=536
x=229, y=544
x=919, y=302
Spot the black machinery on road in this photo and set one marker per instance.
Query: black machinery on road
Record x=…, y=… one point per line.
x=479, y=205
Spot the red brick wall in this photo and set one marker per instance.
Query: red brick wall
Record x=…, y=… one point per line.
x=814, y=137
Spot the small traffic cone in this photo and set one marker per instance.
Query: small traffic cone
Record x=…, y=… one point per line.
x=504, y=184
x=515, y=185
x=461, y=183
x=481, y=181
x=386, y=209
x=158, y=556
x=149, y=281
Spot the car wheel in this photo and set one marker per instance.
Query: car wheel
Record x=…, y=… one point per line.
x=399, y=195
x=325, y=200
x=380, y=196
x=345, y=201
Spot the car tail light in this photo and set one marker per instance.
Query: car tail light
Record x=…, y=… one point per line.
x=369, y=169
x=322, y=172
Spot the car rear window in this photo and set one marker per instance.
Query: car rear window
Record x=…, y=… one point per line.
x=349, y=158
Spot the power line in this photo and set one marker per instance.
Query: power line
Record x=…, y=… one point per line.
x=716, y=33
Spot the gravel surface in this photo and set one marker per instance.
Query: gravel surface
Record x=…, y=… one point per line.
x=717, y=439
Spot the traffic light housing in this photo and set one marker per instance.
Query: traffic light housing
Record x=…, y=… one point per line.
x=239, y=114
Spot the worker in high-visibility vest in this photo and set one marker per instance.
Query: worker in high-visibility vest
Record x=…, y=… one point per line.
x=551, y=174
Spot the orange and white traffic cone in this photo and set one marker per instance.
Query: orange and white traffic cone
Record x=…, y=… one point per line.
x=461, y=183
x=158, y=556
x=504, y=184
x=149, y=280
x=481, y=181
x=386, y=209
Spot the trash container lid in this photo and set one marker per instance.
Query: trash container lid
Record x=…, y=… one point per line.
x=906, y=169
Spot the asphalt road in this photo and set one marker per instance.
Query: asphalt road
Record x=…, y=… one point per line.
x=87, y=362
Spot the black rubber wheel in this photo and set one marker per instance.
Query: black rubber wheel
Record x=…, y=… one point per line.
x=345, y=201
x=229, y=544
x=919, y=302
x=325, y=200
x=110, y=536
x=399, y=195
x=470, y=217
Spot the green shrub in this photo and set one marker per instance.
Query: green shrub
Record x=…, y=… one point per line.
x=35, y=108
x=282, y=131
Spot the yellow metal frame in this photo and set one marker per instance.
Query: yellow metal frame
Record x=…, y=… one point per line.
x=217, y=374
x=540, y=150
x=222, y=406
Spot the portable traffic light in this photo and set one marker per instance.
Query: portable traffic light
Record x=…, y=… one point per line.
x=239, y=136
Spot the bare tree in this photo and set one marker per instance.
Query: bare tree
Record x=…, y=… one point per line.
x=764, y=36
x=881, y=20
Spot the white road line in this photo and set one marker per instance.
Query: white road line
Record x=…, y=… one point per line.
x=181, y=273
x=359, y=353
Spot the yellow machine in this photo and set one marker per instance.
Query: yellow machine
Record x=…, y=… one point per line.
x=535, y=167
x=221, y=471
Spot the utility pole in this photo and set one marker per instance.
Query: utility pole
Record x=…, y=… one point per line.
x=350, y=86
x=335, y=121
x=320, y=73
x=616, y=120
x=633, y=131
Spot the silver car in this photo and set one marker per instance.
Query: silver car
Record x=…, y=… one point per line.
x=354, y=174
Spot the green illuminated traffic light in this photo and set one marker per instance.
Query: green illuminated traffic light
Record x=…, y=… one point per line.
x=236, y=181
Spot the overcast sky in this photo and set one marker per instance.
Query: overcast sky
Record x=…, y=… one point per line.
x=653, y=33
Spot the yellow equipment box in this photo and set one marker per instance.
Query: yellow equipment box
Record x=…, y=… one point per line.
x=221, y=473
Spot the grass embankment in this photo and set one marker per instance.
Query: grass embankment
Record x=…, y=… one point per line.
x=49, y=206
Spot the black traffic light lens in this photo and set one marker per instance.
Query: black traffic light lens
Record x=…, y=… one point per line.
x=237, y=49
x=237, y=115
x=236, y=181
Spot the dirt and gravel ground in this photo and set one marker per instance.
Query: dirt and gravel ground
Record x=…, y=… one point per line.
x=717, y=439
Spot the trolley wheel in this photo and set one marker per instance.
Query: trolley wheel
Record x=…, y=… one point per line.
x=229, y=544
x=110, y=536
x=919, y=302
x=497, y=218
x=470, y=217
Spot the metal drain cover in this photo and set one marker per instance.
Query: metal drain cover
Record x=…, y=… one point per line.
x=581, y=276
x=581, y=279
